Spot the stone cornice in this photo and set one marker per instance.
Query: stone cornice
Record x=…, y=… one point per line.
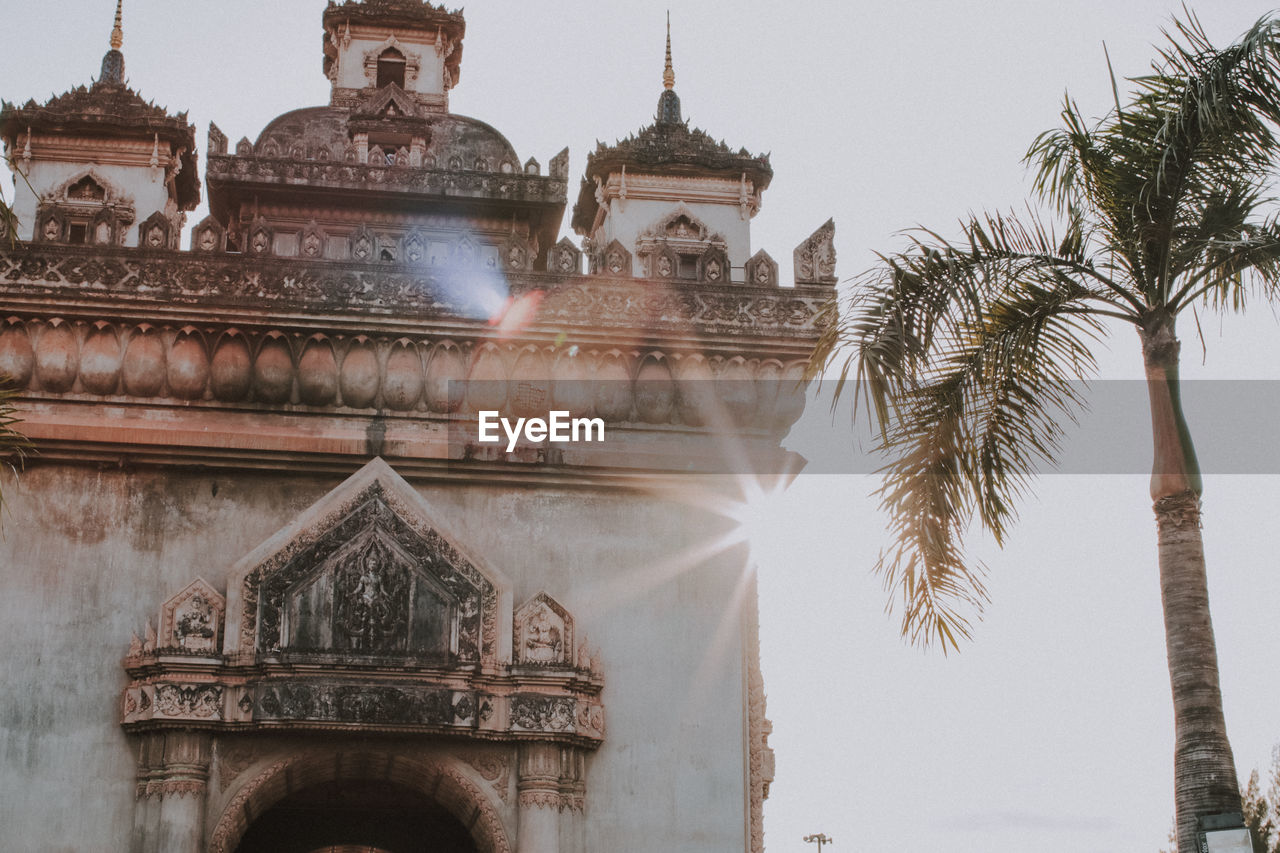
x=171, y=358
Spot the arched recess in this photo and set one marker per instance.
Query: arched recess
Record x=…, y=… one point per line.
x=440, y=781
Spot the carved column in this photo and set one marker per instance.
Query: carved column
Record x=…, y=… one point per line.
x=573, y=798
x=146, y=811
x=539, y=786
x=172, y=786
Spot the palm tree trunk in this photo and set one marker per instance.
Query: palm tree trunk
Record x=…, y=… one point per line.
x=1204, y=769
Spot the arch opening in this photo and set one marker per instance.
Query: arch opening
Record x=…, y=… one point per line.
x=357, y=816
x=391, y=68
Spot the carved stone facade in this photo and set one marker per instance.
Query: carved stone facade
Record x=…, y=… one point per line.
x=258, y=472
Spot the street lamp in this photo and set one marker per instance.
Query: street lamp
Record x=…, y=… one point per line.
x=820, y=839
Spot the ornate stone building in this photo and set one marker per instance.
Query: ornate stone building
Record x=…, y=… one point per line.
x=266, y=589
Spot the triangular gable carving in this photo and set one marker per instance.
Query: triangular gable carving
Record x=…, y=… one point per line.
x=680, y=223
x=388, y=102
x=543, y=633
x=110, y=193
x=367, y=570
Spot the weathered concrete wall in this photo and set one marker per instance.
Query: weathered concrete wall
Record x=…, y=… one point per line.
x=89, y=555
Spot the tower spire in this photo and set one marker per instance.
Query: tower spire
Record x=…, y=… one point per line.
x=117, y=32
x=113, y=62
x=668, y=102
x=668, y=73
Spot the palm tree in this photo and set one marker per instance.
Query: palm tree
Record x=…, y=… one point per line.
x=970, y=354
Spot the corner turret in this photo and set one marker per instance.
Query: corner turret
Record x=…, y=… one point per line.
x=100, y=165
x=670, y=201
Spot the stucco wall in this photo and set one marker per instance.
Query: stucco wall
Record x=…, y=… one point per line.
x=89, y=555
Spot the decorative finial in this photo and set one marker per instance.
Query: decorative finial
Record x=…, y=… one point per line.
x=668, y=73
x=117, y=32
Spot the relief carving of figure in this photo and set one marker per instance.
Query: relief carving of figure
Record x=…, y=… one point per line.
x=543, y=642
x=259, y=242
x=51, y=230
x=208, y=240
x=194, y=627
x=664, y=266
x=371, y=601
x=713, y=270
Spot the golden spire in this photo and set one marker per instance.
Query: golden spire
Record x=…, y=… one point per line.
x=668, y=74
x=117, y=33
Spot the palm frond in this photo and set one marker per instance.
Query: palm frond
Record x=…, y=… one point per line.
x=14, y=446
x=969, y=354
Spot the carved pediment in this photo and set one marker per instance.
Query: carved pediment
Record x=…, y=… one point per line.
x=679, y=224
x=359, y=616
x=369, y=574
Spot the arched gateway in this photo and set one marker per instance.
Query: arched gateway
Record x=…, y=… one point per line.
x=355, y=626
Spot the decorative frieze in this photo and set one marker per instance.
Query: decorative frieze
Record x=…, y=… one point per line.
x=280, y=370
x=198, y=279
x=465, y=179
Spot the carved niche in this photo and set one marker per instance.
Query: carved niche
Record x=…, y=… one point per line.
x=713, y=266
x=364, y=244
x=517, y=254
x=414, y=247
x=260, y=238
x=154, y=232
x=543, y=633
x=191, y=621
x=312, y=243
x=762, y=270
x=564, y=258
x=815, y=258
x=615, y=260
x=208, y=236
x=85, y=208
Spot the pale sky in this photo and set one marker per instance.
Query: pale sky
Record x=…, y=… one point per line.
x=1050, y=731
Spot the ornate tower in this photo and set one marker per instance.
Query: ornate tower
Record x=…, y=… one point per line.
x=100, y=165
x=385, y=173
x=670, y=202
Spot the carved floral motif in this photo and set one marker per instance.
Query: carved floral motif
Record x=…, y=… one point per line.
x=542, y=713
x=199, y=701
